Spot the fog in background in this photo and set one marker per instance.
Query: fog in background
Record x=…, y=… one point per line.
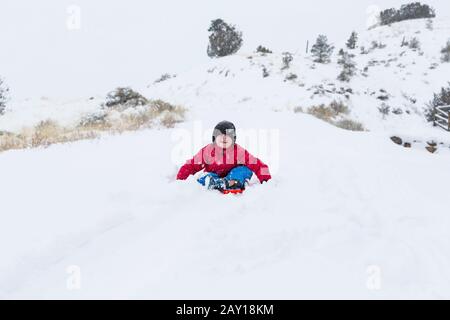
x=132, y=42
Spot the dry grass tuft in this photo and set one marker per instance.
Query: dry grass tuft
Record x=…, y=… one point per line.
x=351, y=125
x=334, y=114
x=110, y=121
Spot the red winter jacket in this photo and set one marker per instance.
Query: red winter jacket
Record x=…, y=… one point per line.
x=221, y=161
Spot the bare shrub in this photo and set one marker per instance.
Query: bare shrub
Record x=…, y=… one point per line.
x=322, y=112
x=327, y=113
x=263, y=50
x=95, y=121
x=125, y=97
x=351, y=125
x=414, y=44
x=291, y=77
x=298, y=109
x=339, y=107
x=161, y=106
x=49, y=132
x=287, y=59
x=45, y=133
x=169, y=120
x=11, y=141
x=384, y=109
x=164, y=77
x=446, y=52
x=333, y=114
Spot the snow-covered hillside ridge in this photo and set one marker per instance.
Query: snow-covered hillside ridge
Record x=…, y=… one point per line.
x=399, y=77
x=388, y=75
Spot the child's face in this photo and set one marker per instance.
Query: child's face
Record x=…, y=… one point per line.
x=223, y=141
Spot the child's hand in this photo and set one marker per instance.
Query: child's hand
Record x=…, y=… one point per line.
x=232, y=183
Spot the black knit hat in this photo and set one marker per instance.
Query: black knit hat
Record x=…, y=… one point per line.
x=224, y=127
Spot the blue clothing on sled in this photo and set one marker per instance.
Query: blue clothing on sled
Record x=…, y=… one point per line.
x=241, y=174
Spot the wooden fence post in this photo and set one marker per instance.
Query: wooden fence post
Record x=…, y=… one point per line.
x=434, y=116
x=448, y=120
x=403, y=42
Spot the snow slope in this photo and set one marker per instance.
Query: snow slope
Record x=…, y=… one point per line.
x=339, y=203
x=407, y=78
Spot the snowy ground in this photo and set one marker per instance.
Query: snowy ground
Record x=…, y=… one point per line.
x=340, y=202
x=347, y=214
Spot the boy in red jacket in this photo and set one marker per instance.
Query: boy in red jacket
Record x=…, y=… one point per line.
x=228, y=165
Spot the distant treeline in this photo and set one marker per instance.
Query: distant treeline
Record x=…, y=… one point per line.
x=414, y=10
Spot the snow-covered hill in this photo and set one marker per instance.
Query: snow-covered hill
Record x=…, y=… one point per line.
x=340, y=202
x=401, y=78
x=347, y=214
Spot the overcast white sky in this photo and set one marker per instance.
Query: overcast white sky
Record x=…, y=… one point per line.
x=131, y=42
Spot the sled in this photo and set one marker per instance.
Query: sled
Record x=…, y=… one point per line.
x=233, y=191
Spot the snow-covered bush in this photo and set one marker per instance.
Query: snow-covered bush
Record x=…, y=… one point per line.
x=263, y=50
x=164, y=77
x=322, y=50
x=446, y=52
x=440, y=99
x=348, y=66
x=4, y=96
x=298, y=109
x=377, y=45
x=95, y=121
x=339, y=107
x=414, y=44
x=397, y=111
x=349, y=124
x=410, y=11
x=384, y=109
x=352, y=41
x=125, y=98
x=291, y=77
x=287, y=59
x=224, y=39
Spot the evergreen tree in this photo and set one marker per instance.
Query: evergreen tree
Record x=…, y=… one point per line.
x=351, y=43
x=322, y=50
x=287, y=59
x=414, y=10
x=348, y=66
x=263, y=50
x=224, y=39
x=446, y=52
x=4, y=96
x=430, y=24
x=440, y=99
